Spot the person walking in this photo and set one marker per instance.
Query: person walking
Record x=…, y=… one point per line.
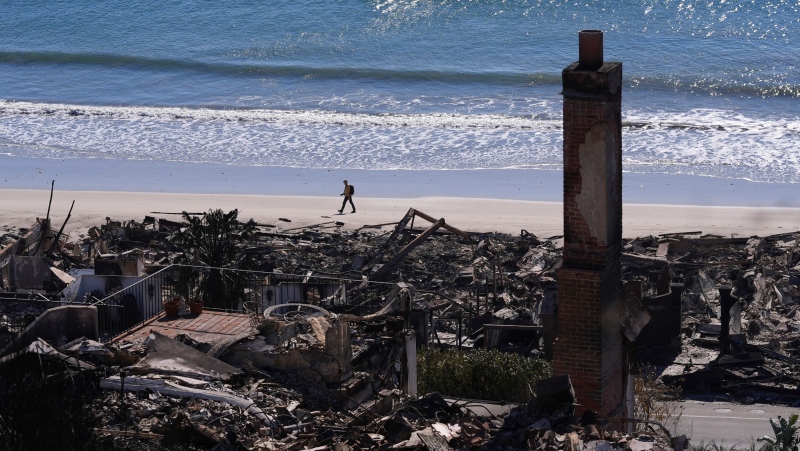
x=348, y=196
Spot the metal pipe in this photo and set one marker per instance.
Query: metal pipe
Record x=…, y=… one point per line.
x=590, y=49
x=411, y=356
x=630, y=401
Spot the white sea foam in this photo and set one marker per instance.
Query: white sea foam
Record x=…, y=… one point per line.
x=701, y=141
x=716, y=143
x=284, y=117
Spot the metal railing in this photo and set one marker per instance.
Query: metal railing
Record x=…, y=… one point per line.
x=17, y=311
x=231, y=290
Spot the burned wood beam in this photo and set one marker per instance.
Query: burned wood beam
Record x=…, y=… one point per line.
x=774, y=354
x=445, y=226
x=400, y=226
x=645, y=258
x=376, y=226
x=46, y=224
x=511, y=327
x=422, y=215
x=338, y=223
x=680, y=233
x=410, y=246
x=50, y=203
x=61, y=230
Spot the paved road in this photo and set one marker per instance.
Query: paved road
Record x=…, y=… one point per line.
x=703, y=421
x=732, y=423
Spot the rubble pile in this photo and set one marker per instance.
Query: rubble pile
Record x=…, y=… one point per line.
x=734, y=322
x=427, y=422
x=330, y=362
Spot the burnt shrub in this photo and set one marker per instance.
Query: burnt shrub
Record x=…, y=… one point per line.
x=45, y=405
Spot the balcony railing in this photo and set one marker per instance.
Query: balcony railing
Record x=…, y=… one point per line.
x=231, y=291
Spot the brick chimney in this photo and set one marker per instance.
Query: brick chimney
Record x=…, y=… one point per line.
x=589, y=345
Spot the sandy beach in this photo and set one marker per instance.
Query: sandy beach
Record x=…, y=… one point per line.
x=21, y=207
x=478, y=201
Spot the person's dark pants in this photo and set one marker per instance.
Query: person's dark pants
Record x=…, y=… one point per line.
x=348, y=198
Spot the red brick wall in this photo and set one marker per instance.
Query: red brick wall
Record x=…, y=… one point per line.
x=580, y=116
x=589, y=343
x=578, y=349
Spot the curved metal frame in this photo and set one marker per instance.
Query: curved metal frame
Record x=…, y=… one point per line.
x=298, y=311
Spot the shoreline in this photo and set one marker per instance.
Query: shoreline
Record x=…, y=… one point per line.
x=20, y=208
x=488, y=200
x=85, y=174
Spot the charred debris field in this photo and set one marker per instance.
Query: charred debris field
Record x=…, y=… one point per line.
x=319, y=337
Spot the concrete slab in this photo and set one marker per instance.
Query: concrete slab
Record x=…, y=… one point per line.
x=167, y=356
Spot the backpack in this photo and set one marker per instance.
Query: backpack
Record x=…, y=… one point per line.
x=352, y=190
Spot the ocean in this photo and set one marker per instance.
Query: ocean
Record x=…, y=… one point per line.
x=711, y=88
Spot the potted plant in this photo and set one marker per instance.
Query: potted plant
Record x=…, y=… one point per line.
x=171, y=306
x=196, y=306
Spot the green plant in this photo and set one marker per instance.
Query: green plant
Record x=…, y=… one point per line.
x=480, y=374
x=216, y=240
x=786, y=438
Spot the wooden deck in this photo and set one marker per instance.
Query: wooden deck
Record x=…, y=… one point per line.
x=208, y=326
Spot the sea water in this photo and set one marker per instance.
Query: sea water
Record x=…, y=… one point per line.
x=711, y=87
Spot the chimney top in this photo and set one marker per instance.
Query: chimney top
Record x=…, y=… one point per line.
x=590, y=49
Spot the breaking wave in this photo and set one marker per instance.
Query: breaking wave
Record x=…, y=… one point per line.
x=287, y=117
x=716, y=143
